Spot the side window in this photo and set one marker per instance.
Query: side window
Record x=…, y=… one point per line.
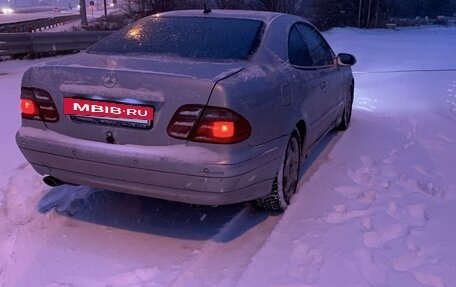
x=319, y=49
x=298, y=53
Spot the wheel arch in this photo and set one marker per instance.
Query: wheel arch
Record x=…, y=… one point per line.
x=301, y=129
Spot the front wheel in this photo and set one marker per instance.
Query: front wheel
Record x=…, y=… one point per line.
x=286, y=181
x=347, y=112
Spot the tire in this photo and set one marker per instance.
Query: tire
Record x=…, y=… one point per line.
x=347, y=112
x=286, y=181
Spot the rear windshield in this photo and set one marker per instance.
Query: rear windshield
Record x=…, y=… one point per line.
x=214, y=39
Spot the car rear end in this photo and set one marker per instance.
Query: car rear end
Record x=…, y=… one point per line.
x=138, y=122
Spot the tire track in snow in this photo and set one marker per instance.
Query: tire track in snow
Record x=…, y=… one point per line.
x=405, y=71
x=213, y=262
x=219, y=261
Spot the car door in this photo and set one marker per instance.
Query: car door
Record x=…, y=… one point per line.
x=323, y=60
x=304, y=85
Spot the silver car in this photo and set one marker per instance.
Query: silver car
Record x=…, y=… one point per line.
x=208, y=108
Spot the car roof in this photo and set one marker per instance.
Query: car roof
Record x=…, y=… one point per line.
x=242, y=14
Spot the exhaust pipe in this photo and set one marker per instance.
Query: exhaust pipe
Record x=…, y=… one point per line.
x=52, y=181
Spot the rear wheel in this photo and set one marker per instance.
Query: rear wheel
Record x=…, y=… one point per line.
x=286, y=181
x=346, y=114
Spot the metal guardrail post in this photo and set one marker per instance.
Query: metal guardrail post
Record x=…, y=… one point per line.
x=15, y=44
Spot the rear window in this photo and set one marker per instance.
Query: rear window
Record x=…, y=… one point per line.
x=214, y=39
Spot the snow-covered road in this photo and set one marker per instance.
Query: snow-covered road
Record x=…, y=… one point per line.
x=376, y=206
x=19, y=17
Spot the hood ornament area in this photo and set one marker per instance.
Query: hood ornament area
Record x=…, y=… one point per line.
x=109, y=80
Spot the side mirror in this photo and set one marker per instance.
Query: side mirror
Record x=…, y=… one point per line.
x=344, y=59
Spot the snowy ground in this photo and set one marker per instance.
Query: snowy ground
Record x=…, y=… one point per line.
x=376, y=206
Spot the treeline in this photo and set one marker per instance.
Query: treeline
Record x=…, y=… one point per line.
x=374, y=13
x=324, y=13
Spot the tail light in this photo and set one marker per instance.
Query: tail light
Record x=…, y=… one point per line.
x=208, y=124
x=37, y=104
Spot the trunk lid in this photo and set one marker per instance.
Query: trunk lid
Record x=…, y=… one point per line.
x=160, y=83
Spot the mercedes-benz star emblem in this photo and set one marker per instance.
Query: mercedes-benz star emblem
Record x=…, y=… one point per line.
x=109, y=80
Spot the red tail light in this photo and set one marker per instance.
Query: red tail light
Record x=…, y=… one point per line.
x=29, y=108
x=208, y=124
x=223, y=129
x=37, y=104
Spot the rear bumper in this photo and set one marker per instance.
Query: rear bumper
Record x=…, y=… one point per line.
x=182, y=173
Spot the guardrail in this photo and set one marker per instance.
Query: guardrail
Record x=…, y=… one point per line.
x=37, y=25
x=15, y=44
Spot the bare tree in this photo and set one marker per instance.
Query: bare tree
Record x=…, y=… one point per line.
x=140, y=8
x=376, y=13
x=230, y=4
x=284, y=6
x=360, y=7
x=369, y=7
